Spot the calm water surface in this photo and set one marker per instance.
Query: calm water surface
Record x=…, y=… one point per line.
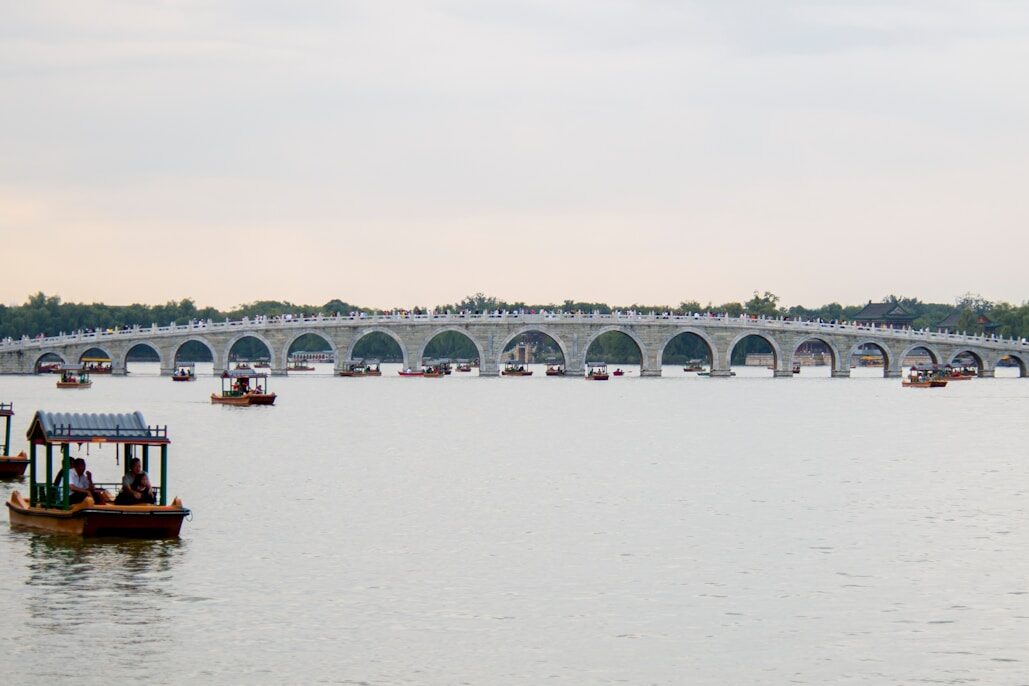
x=516, y=531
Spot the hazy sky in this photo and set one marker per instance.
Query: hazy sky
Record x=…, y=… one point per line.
x=414, y=152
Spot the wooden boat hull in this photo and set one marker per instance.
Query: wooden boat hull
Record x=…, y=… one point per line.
x=433, y=375
x=619, y=373
x=554, y=372
x=261, y=398
x=515, y=373
x=12, y=466
x=91, y=520
x=597, y=377
x=183, y=378
x=358, y=374
x=74, y=384
x=938, y=383
x=693, y=369
x=410, y=374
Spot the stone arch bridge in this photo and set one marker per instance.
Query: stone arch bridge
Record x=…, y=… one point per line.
x=490, y=333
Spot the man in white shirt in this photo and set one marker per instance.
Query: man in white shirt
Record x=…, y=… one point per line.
x=80, y=484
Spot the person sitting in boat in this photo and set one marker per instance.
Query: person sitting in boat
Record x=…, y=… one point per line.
x=258, y=390
x=135, y=486
x=80, y=484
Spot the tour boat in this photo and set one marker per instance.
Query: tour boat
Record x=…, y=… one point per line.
x=619, y=372
x=96, y=365
x=926, y=376
x=962, y=374
x=596, y=371
x=410, y=372
x=185, y=372
x=48, y=506
x=10, y=465
x=49, y=368
x=694, y=366
x=433, y=370
x=74, y=376
x=262, y=365
x=361, y=368
x=513, y=368
x=555, y=370
x=237, y=389
x=300, y=366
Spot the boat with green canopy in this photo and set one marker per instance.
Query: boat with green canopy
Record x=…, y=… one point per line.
x=243, y=387
x=74, y=376
x=49, y=505
x=10, y=465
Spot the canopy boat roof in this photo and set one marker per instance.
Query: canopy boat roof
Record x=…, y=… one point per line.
x=95, y=359
x=596, y=364
x=931, y=367
x=243, y=374
x=74, y=427
x=6, y=409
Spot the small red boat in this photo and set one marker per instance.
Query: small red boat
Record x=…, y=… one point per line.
x=10, y=465
x=619, y=372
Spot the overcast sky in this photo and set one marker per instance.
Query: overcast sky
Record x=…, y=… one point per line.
x=402, y=153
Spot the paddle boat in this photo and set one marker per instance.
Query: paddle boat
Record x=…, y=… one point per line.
x=10, y=465
x=96, y=365
x=243, y=365
x=926, y=376
x=49, y=507
x=74, y=376
x=300, y=366
x=596, y=371
x=185, y=372
x=433, y=370
x=463, y=366
x=515, y=368
x=555, y=370
x=243, y=387
x=262, y=364
x=694, y=366
x=361, y=368
x=619, y=372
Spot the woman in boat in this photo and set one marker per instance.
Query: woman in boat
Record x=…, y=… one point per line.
x=135, y=486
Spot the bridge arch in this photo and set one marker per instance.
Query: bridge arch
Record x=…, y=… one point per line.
x=250, y=334
x=934, y=354
x=363, y=333
x=145, y=344
x=199, y=340
x=777, y=356
x=581, y=362
x=99, y=349
x=980, y=362
x=834, y=352
x=712, y=349
x=308, y=332
x=1021, y=359
x=445, y=329
x=534, y=329
x=883, y=349
x=47, y=356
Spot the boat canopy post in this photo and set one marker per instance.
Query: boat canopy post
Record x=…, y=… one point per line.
x=49, y=464
x=146, y=459
x=126, y=453
x=66, y=477
x=32, y=474
x=164, y=473
x=7, y=436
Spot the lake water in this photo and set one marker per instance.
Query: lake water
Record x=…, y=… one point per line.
x=535, y=530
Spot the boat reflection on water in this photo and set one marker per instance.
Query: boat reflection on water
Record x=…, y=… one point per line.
x=93, y=595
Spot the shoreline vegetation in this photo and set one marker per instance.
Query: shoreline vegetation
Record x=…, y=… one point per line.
x=49, y=315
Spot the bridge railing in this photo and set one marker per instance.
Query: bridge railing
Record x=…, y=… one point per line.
x=626, y=318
